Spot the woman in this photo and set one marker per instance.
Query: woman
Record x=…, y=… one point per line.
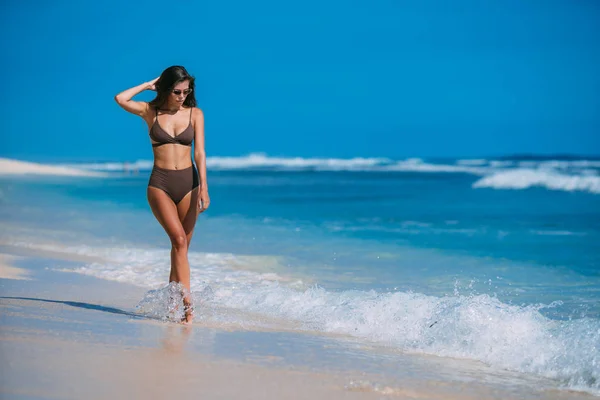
x=177, y=192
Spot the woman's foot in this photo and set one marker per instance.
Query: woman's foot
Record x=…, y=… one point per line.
x=188, y=314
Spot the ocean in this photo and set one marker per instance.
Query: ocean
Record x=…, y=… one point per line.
x=492, y=260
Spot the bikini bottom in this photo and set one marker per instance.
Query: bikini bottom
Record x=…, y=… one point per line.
x=177, y=183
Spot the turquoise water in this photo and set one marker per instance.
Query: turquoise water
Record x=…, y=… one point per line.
x=436, y=261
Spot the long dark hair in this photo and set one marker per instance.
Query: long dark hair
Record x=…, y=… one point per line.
x=167, y=81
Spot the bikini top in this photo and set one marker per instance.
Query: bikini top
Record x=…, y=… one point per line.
x=161, y=137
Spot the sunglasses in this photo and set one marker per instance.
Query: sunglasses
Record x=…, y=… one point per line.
x=185, y=92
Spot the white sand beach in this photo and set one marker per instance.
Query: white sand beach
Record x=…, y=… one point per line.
x=7, y=271
x=16, y=167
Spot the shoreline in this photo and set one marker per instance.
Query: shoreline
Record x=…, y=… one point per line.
x=80, y=331
x=11, y=167
x=8, y=271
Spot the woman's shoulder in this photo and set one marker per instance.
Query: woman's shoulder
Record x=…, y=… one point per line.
x=197, y=112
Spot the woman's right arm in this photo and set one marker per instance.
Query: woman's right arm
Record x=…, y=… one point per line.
x=135, y=107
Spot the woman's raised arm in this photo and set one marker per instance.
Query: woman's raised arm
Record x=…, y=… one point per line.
x=135, y=107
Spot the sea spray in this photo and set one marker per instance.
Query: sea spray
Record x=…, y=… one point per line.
x=479, y=327
x=166, y=303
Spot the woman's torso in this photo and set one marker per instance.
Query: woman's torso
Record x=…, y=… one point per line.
x=171, y=136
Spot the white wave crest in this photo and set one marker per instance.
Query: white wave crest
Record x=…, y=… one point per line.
x=139, y=165
x=523, y=178
x=259, y=160
x=255, y=161
x=264, y=162
x=418, y=165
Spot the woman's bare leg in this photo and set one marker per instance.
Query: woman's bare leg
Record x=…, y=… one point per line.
x=187, y=209
x=188, y=214
x=184, y=210
x=166, y=212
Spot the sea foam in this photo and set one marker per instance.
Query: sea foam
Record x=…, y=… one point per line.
x=464, y=325
x=523, y=178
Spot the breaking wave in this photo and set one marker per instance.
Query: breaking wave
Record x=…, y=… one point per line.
x=522, y=178
x=565, y=175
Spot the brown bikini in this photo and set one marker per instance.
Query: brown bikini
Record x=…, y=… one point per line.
x=177, y=183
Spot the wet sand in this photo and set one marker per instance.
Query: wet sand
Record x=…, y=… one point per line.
x=69, y=336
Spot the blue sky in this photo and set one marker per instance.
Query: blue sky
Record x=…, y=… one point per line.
x=313, y=78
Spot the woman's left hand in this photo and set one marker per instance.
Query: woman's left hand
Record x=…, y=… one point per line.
x=203, y=200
